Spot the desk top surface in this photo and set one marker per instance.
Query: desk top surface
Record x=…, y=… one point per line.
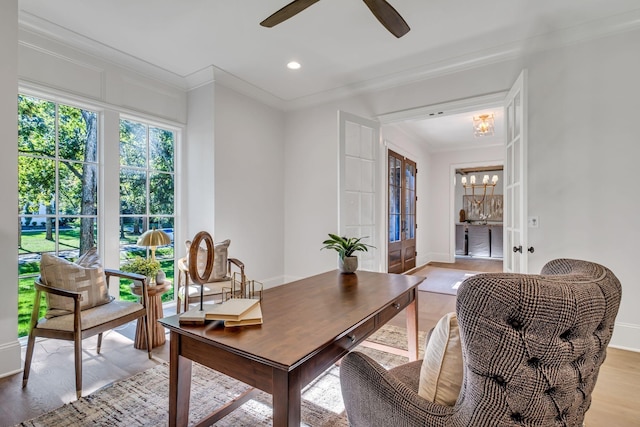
x=300, y=317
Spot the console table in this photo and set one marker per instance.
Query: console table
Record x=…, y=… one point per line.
x=308, y=325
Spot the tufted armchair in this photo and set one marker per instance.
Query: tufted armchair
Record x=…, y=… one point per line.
x=532, y=347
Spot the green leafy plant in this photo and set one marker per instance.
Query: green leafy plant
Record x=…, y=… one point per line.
x=345, y=246
x=144, y=266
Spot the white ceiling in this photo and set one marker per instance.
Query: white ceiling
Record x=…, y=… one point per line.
x=340, y=44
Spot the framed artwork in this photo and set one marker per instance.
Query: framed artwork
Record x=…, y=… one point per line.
x=491, y=209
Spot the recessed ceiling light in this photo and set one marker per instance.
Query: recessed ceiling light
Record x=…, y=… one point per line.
x=293, y=65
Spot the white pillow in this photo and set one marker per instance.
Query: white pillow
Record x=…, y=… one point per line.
x=219, y=271
x=442, y=370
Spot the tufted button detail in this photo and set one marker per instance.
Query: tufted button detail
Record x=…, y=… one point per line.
x=600, y=327
x=534, y=362
x=515, y=323
x=499, y=380
x=517, y=417
x=550, y=391
x=566, y=335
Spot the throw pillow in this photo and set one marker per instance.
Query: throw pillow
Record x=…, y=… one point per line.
x=219, y=272
x=442, y=370
x=85, y=276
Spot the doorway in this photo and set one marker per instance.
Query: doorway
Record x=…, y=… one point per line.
x=401, y=213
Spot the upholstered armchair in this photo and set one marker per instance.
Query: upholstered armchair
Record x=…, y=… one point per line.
x=79, y=306
x=211, y=282
x=532, y=346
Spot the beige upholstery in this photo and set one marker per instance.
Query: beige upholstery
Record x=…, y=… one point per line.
x=92, y=317
x=441, y=372
x=81, y=324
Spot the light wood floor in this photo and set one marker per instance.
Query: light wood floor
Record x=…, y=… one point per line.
x=52, y=377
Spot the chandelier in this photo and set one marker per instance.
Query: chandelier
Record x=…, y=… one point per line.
x=483, y=125
x=477, y=199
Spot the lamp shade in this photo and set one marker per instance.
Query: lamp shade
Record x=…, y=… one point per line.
x=154, y=238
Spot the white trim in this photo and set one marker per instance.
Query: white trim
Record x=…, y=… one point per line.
x=9, y=356
x=442, y=109
x=626, y=336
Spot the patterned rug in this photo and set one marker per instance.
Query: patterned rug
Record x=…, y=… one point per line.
x=142, y=400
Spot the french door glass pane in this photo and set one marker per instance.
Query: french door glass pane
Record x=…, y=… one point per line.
x=394, y=228
x=161, y=149
x=36, y=126
x=78, y=189
x=72, y=136
x=133, y=192
x=133, y=144
x=161, y=194
x=36, y=184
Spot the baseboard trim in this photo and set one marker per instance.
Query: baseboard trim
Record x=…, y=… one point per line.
x=10, y=359
x=626, y=336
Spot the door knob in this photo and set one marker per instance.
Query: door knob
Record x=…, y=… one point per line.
x=517, y=249
x=531, y=249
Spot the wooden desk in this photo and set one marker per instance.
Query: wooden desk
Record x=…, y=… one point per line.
x=154, y=312
x=308, y=325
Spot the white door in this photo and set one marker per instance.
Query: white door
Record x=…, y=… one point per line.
x=360, y=198
x=515, y=172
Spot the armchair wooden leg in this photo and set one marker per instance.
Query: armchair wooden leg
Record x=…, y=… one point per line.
x=99, y=342
x=77, y=347
x=147, y=328
x=27, y=359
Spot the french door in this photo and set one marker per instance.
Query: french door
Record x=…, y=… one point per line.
x=401, y=213
x=515, y=207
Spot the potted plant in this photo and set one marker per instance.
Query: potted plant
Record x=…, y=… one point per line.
x=146, y=267
x=346, y=247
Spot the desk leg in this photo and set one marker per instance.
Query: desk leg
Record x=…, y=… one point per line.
x=179, y=384
x=412, y=328
x=286, y=398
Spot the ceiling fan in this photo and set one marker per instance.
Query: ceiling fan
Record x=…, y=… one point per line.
x=386, y=14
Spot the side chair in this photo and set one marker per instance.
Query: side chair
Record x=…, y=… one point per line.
x=214, y=280
x=84, y=323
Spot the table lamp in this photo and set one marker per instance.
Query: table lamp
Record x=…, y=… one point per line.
x=152, y=239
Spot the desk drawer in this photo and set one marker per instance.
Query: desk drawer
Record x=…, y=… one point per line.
x=394, y=308
x=356, y=335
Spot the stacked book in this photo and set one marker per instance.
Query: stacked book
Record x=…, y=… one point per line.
x=234, y=312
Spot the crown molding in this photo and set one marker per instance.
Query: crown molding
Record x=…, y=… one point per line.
x=587, y=31
x=54, y=33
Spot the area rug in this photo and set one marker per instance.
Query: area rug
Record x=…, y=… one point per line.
x=443, y=280
x=142, y=400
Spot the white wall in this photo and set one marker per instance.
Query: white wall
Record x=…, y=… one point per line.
x=199, y=166
x=311, y=153
x=249, y=183
x=582, y=155
x=583, y=158
x=9, y=345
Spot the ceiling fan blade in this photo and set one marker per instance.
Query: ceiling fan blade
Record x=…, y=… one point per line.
x=287, y=12
x=389, y=17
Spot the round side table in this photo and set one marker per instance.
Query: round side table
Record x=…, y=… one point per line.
x=154, y=312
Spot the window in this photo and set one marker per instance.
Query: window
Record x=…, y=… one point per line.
x=57, y=188
x=147, y=193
